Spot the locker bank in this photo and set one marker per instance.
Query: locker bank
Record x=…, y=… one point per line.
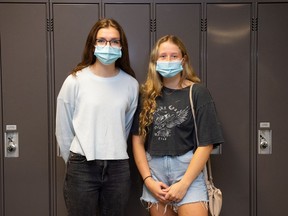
x=238, y=48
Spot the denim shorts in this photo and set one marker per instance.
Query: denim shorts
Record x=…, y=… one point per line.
x=171, y=169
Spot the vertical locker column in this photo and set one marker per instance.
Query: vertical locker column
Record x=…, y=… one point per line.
x=135, y=20
x=2, y=149
x=272, y=108
x=183, y=21
x=72, y=23
x=228, y=79
x=25, y=108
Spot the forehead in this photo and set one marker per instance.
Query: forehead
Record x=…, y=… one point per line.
x=108, y=33
x=168, y=47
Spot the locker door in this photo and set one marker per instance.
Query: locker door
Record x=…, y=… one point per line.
x=228, y=78
x=72, y=23
x=24, y=100
x=272, y=107
x=182, y=20
x=135, y=20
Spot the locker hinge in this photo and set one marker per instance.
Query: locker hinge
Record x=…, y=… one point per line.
x=50, y=25
x=203, y=25
x=153, y=25
x=254, y=24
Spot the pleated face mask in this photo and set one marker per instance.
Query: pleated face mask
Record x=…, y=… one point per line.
x=107, y=54
x=169, y=68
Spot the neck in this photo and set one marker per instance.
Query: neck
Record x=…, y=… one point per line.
x=172, y=82
x=102, y=70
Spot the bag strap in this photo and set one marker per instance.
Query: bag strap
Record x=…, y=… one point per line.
x=207, y=168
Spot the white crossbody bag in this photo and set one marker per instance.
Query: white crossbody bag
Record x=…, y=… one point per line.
x=214, y=194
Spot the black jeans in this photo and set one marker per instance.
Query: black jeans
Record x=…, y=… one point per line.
x=98, y=187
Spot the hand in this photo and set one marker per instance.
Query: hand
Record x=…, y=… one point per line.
x=157, y=189
x=175, y=192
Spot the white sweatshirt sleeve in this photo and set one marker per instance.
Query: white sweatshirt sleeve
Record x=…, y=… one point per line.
x=64, y=115
x=133, y=105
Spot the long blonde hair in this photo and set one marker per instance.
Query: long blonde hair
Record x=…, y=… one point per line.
x=152, y=87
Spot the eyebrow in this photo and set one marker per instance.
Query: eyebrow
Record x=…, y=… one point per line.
x=174, y=53
x=106, y=39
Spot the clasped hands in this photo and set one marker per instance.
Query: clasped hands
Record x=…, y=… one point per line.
x=164, y=193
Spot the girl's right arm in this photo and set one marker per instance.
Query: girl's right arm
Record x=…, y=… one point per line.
x=155, y=187
x=64, y=115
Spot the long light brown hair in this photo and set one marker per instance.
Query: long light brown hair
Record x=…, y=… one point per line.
x=88, y=57
x=152, y=87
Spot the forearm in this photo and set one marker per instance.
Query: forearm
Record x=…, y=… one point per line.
x=140, y=156
x=197, y=164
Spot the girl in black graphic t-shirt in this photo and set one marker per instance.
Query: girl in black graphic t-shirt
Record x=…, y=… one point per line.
x=164, y=142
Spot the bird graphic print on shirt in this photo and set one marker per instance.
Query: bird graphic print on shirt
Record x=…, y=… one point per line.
x=166, y=118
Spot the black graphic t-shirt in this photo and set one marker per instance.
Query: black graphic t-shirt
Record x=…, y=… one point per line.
x=172, y=131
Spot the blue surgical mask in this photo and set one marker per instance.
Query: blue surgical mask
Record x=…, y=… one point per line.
x=169, y=68
x=107, y=54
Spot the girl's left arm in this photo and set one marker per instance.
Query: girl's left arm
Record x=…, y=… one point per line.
x=177, y=191
x=131, y=111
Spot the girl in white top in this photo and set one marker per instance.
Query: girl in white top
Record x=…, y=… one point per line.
x=95, y=108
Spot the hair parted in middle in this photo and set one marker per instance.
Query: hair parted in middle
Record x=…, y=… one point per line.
x=153, y=85
x=88, y=57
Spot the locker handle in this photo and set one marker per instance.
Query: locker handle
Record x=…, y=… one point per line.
x=263, y=142
x=11, y=138
x=11, y=145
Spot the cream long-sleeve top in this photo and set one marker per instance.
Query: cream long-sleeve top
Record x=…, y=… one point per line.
x=94, y=115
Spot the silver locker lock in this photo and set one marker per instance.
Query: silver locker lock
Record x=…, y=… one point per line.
x=265, y=138
x=11, y=147
x=11, y=141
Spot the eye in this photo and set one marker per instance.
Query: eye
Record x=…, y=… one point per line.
x=115, y=42
x=101, y=41
x=162, y=57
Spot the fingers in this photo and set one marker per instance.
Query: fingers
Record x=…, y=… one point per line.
x=163, y=186
x=173, y=194
x=157, y=189
x=167, y=193
x=161, y=196
x=172, y=198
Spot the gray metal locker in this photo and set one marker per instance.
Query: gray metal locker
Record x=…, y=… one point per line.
x=24, y=99
x=228, y=78
x=272, y=106
x=184, y=21
x=72, y=23
x=135, y=20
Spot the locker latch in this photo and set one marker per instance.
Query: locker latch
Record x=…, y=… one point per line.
x=265, y=138
x=11, y=141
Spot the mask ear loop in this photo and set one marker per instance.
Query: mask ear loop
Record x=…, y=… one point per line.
x=183, y=61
